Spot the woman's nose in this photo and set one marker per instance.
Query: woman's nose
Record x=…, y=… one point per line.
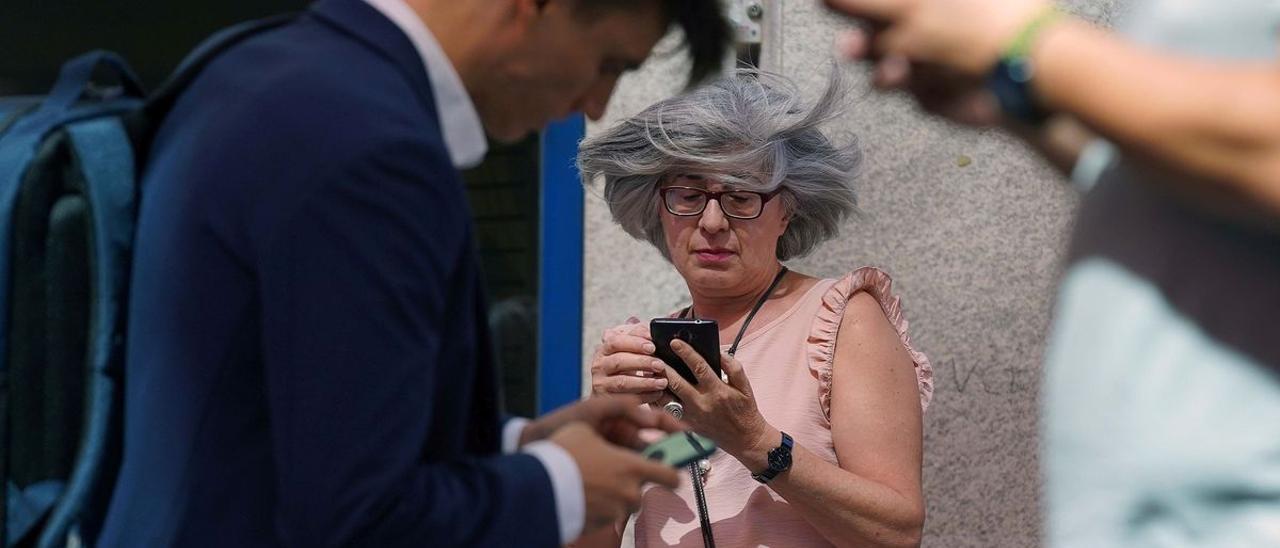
x=713, y=218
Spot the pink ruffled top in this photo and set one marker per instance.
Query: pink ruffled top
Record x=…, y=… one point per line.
x=789, y=363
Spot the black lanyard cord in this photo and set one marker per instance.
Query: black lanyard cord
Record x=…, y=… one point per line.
x=751, y=315
x=700, y=497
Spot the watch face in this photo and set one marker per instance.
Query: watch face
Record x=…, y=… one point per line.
x=779, y=459
x=1010, y=83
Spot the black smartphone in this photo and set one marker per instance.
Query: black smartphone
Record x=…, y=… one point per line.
x=702, y=335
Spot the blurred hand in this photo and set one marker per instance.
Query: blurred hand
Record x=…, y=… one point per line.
x=726, y=413
x=619, y=419
x=624, y=363
x=611, y=476
x=965, y=36
x=953, y=96
x=943, y=66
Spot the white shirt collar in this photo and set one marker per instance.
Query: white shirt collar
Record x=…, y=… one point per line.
x=459, y=121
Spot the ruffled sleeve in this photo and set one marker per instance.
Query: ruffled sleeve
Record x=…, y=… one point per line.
x=826, y=326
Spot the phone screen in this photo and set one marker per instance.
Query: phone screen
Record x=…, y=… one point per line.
x=680, y=449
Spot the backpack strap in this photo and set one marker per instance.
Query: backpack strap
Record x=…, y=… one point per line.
x=29, y=126
x=12, y=110
x=27, y=508
x=105, y=155
x=76, y=77
x=27, y=122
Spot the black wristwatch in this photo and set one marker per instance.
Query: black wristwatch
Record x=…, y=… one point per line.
x=779, y=460
x=1010, y=83
x=1010, y=80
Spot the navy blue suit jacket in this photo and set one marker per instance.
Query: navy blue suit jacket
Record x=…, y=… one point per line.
x=308, y=360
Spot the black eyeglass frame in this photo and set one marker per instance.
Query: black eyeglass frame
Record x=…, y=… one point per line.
x=764, y=200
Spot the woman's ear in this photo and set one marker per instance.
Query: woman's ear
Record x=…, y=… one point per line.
x=784, y=220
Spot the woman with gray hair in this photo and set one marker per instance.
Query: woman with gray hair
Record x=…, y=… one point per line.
x=820, y=418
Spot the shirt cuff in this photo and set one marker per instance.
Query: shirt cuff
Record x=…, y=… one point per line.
x=511, y=434
x=566, y=485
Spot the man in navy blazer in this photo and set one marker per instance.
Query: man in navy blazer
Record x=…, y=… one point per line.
x=308, y=361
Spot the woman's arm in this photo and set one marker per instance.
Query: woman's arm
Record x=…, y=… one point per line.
x=873, y=498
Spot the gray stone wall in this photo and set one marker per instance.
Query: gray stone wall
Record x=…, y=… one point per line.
x=971, y=226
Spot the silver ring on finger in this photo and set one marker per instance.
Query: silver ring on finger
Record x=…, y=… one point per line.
x=675, y=409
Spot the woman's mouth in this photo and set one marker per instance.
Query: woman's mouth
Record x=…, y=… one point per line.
x=713, y=255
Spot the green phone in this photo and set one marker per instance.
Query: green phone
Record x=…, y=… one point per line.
x=680, y=449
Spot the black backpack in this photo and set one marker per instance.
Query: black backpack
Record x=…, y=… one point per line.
x=69, y=169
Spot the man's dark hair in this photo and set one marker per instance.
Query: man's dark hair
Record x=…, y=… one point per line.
x=707, y=33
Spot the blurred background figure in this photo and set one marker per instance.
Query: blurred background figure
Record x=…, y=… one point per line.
x=1161, y=378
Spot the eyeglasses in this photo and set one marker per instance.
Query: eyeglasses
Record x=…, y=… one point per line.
x=687, y=201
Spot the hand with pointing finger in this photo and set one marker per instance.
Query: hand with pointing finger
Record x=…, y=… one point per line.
x=724, y=412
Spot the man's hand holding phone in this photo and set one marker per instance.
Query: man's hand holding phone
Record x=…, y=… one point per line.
x=679, y=449
x=602, y=435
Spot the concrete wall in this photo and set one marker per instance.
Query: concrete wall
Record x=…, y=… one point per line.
x=972, y=228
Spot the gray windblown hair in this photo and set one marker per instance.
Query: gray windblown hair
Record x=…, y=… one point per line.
x=750, y=129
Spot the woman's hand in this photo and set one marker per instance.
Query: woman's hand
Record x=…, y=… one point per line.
x=624, y=363
x=726, y=413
